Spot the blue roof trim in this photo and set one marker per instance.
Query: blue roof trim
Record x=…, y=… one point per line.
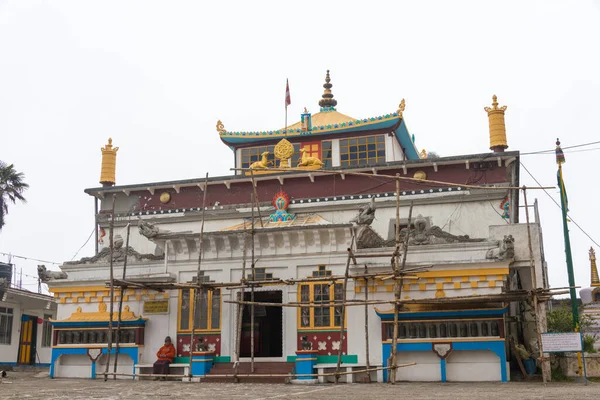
x=388, y=123
x=495, y=312
x=406, y=142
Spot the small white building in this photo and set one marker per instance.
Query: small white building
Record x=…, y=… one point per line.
x=25, y=329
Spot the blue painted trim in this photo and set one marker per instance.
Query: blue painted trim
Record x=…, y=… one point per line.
x=132, y=352
x=495, y=346
x=406, y=142
x=443, y=369
x=388, y=316
x=247, y=138
x=73, y=324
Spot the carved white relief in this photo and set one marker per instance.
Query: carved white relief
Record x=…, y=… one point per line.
x=322, y=345
x=335, y=345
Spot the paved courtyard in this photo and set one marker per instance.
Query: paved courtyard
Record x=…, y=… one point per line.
x=36, y=385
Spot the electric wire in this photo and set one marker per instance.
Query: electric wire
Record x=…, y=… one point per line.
x=564, y=148
x=560, y=207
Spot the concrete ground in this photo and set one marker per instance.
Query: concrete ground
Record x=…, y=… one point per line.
x=37, y=385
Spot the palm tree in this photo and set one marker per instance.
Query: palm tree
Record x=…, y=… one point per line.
x=12, y=187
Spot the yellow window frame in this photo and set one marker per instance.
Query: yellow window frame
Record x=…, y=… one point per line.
x=209, y=308
x=311, y=292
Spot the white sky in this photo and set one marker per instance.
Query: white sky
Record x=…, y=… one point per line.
x=156, y=76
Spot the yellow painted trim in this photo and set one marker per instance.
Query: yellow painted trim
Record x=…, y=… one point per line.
x=462, y=272
x=62, y=301
x=430, y=280
x=422, y=286
x=125, y=298
x=311, y=292
x=465, y=279
x=491, y=283
x=406, y=287
x=483, y=278
x=447, y=280
x=209, y=316
x=456, y=285
x=474, y=284
x=165, y=295
x=78, y=289
x=389, y=288
x=439, y=286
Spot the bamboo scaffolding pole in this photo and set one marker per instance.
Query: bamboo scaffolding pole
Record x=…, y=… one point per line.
x=112, y=286
x=265, y=375
x=397, y=286
x=118, y=342
x=197, y=304
x=367, y=324
x=391, y=177
x=252, y=266
x=271, y=282
x=538, y=327
x=256, y=199
x=343, y=320
x=240, y=315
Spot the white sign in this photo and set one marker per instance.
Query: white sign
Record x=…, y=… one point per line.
x=559, y=342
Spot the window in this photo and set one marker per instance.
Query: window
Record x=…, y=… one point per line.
x=325, y=293
x=6, y=321
x=261, y=275
x=326, y=153
x=207, y=311
x=368, y=150
x=47, y=331
x=253, y=154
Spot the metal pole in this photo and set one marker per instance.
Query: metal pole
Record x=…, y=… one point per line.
x=252, y=289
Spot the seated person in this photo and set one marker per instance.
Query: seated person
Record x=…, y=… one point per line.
x=165, y=355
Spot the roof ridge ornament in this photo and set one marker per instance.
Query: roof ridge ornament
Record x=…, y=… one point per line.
x=327, y=100
x=220, y=127
x=401, y=108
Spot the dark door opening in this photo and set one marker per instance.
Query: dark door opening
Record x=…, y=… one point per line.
x=268, y=326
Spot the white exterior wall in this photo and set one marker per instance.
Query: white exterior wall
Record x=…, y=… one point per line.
x=22, y=305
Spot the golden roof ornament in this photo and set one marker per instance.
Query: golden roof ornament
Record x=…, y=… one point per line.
x=327, y=99
x=401, y=108
x=220, y=127
x=594, y=268
x=498, y=141
x=109, y=164
x=283, y=152
x=423, y=154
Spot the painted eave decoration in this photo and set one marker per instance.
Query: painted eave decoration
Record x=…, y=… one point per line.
x=100, y=317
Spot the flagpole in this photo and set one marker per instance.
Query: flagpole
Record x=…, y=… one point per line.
x=560, y=159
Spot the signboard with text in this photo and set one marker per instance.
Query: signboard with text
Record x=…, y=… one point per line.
x=156, y=307
x=561, y=342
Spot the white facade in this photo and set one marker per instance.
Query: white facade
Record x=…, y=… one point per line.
x=15, y=305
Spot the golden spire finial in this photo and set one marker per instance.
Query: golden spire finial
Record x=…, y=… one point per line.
x=498, y=141
x=109, y=164
x=401, y=108
x=595, y=278
x=327, y=99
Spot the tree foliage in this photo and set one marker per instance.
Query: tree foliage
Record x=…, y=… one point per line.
x=12, y=187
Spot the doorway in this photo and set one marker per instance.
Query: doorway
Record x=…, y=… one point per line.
x=268, y=326
x=28, y=340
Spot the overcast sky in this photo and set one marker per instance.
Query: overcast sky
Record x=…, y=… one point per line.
x=156, y=76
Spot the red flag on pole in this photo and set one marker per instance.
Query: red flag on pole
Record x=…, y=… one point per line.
x=288, y=99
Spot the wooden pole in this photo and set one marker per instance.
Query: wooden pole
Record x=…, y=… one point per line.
x=397, y=286
x=112, y=284
x=343, y=307
x=240, y=312
x=538, y=328
x=252, y=290
x=367, y=324
x=198, y=291
x=118, y=341
x=392, y=177
x=256, y=198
